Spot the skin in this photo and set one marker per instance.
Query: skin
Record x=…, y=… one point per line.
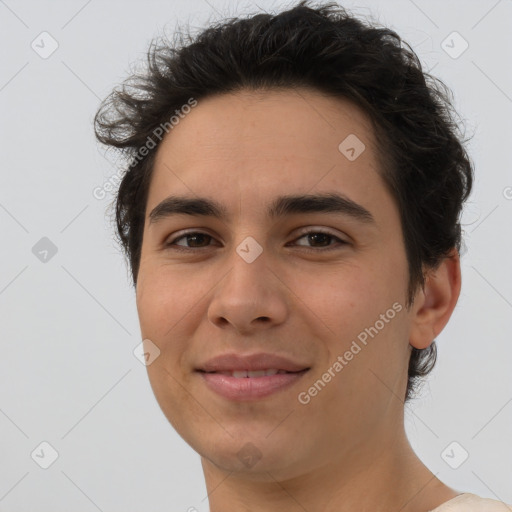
x=347, y=448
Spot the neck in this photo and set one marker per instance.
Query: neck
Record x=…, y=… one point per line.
x=380, y=474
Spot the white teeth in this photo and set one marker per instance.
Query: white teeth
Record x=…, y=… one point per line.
x=252, y=374
x=258, y=373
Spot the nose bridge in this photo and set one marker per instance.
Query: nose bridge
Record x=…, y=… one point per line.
x=250, y=250
x=249, y=264
x=249, y=291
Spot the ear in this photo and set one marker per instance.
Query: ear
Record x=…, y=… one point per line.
x=434, y=304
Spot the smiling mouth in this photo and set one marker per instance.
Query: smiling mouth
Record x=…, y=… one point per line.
x=251, y=374
x=250, y=385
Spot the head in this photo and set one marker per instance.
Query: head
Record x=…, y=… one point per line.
x=309, y=102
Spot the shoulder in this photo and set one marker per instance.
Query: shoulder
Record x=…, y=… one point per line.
x=472, y=503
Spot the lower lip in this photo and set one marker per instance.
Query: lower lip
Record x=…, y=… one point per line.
x=249, y=388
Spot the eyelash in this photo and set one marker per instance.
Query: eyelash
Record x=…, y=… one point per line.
x=170, y=244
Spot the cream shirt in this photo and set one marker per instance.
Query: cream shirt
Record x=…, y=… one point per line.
x=472, y=503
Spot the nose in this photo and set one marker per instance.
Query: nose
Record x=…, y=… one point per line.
x=250, y=297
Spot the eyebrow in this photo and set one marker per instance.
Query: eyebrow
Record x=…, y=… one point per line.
x=280, y=207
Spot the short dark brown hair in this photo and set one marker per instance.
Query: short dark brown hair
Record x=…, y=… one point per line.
x=425, y=165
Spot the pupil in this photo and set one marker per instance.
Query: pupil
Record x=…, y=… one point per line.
x=314, y=236
x=199, y=235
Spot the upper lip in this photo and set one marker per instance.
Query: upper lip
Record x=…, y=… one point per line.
x=253, y=362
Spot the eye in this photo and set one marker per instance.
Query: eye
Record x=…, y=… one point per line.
x=197, y=235
x=314, y=236
x=317, y=236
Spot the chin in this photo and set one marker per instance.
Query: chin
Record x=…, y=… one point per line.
x=250, y=455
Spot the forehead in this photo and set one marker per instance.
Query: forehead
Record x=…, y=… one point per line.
x=254, y=143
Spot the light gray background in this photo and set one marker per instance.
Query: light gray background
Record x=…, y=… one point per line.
x=69, y=326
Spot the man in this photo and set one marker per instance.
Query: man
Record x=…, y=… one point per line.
x=291, y=217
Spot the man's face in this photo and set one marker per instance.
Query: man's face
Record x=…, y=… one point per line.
x=251, y=284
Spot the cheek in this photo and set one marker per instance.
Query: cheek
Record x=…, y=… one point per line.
x=365, y=305
x=346, y=297
x=164, y=298
x=163, y=301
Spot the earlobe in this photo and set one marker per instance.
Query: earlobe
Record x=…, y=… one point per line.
x=434, y=304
